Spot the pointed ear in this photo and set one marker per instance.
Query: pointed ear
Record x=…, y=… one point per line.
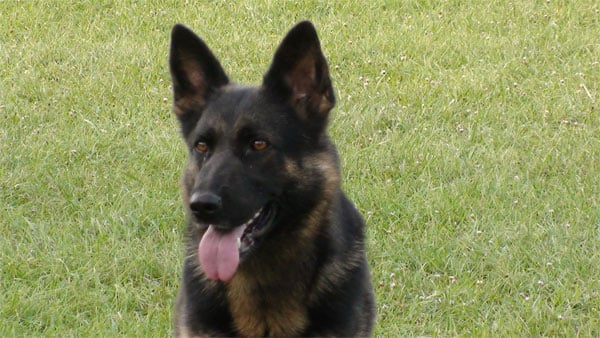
x=299, y=73
x=195, y=71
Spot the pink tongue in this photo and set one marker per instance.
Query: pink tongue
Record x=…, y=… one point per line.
x=219, y=254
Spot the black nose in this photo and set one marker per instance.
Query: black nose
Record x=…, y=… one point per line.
x=205, y=203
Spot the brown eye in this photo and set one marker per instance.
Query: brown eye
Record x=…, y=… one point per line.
x=202, y=147
x=259, y=145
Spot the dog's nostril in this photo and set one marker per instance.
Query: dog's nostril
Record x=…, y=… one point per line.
x=205, y=203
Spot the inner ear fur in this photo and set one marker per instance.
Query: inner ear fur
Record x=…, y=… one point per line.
x=195, y=71
x=299, y=73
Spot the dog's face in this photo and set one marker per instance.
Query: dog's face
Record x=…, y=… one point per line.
x=246, y=144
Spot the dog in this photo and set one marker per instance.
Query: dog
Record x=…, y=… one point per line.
x=273, y=246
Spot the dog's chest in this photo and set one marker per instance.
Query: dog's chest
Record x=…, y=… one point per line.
x=260, y=311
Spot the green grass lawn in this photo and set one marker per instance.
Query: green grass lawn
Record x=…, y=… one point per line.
x=469, y=132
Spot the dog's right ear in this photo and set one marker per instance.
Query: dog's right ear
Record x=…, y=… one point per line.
x=195, y=71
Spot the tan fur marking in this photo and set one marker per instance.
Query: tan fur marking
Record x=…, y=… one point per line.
x=329, y=171
x=244, y=307
x=275, y=313
x=183, y=105
x=325, y=104
x=286, y=319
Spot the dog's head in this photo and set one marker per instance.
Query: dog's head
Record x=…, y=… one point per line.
x=253, y=151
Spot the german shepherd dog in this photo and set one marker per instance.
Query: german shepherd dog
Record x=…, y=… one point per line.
x=273, y=246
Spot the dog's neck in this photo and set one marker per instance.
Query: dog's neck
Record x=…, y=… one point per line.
x=264, y=303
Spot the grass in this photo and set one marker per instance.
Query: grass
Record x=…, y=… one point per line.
x=469, y=133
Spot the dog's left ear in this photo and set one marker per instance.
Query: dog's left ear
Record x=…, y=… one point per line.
x=300, y=75
x=195, y=71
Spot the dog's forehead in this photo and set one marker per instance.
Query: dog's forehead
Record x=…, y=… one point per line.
x=227, y=104
x=238, y=107
x=237, y=104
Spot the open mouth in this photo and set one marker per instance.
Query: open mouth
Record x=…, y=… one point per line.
x=254, y=228
x=220, y=252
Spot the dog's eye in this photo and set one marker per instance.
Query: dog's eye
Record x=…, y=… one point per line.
x=259, y=145
x=202, y=147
